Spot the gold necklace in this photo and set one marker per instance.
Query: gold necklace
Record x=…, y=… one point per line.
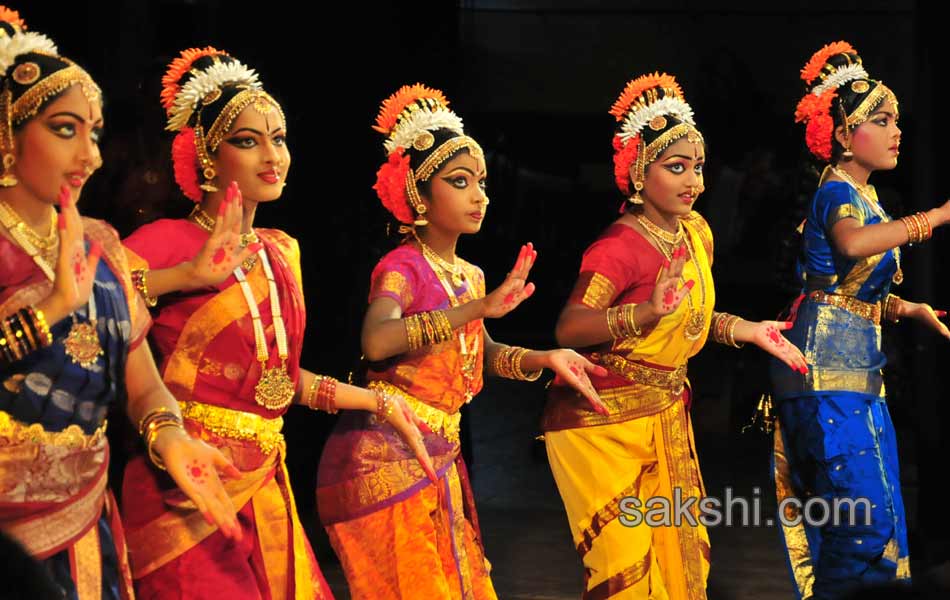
x=204, y=220
x=454, y=270
x=867, y=193
x=48, y=246
x=275, y=389
x=660, y=233
x=696, y=320
x=469, y=355
x=82, y=342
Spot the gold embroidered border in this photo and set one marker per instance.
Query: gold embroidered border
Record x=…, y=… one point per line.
x=566, y=408
x=599, y=291
x=796, y=543
x=396, y=283
x=85, y=561
x=683, y=475
x=40, y=536
x=606, y=514
x=844, y=211
x=621, y=581
x=698, y=224
x=202, y=327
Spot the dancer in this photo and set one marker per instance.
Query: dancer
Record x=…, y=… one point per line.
x=834, y=438
x=229, y=325
x=71, y=327
x=397, y=534
x=642, y=306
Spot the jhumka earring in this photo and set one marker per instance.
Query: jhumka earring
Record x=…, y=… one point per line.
x=636, y=198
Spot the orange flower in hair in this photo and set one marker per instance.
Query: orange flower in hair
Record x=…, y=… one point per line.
x=813, y=68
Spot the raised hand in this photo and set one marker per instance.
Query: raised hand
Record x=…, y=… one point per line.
x=574, y=369
x=222, y=252
x=194, y=465
x=668, y=294
x=515, y=288
x=767, y=335
x=75, y=271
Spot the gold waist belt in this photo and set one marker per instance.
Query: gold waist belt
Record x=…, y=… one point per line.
x=438, y=420
x=236, y=424
x=13, y=432
x=865, y=310
x=672, y=380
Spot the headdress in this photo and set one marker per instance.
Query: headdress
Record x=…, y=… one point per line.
x=652, y=114
x=416, y=119
x=31, y=73
x=203, y=92
x=838, y=87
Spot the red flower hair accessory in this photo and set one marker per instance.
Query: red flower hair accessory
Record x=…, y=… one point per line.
x=185, y=163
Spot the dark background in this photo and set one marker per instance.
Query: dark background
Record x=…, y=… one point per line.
x=533, y=82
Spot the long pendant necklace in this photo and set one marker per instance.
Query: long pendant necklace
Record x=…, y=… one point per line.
x=275, y=389
x=82, y=342
x=666, y=241
x=869, y=196
x=469, y=355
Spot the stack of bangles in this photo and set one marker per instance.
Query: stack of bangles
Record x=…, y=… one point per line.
x=151, y=424
x=622, y=323
x=138, y=280
x=507, y=364
x=424, y=329
x=891, y=307
x=723, y=329
x=321, y=395
x=22, y=333
x=918, y=227
x=384, y=405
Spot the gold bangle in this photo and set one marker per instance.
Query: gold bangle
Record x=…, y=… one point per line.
x=516, y=366
x=911, y=229
x=149, y=416
x=502, y=362
x=141, y=285
x=630, y=320
x=731, y=332
x=12, y=342
x=413, y=332
x=311, y=392
x=153, y=435
x=891, y=307
x=43, y=326
x=442, y=326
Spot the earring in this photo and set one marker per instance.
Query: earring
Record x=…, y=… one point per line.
x=8, y=179
x=847, y=155
x=421, y=221
x=635, y=198
x=208, y=185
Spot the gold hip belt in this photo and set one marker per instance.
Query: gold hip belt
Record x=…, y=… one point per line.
x=865, y=310
x=438, y=420
x=236, y=424
x=670, y=379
